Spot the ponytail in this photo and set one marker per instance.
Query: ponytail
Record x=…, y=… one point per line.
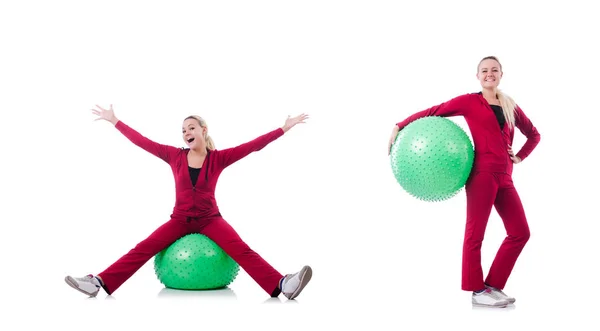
x=210, y=144
x=508, y=107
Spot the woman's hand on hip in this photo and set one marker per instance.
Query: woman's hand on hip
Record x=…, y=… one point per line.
x=513, y=157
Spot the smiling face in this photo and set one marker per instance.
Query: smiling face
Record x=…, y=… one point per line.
x=193, y=133
x=489, y=73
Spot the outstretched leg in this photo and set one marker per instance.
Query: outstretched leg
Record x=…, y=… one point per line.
x=228, y=239
x=116, y=274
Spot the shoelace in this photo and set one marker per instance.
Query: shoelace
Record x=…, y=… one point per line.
x=493, y=294
x=87, y=278
x=497, y=290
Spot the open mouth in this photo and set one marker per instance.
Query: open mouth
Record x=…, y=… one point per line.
x=190, y=140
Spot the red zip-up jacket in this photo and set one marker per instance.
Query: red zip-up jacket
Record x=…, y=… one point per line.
x=197, y=201
x=490, y=142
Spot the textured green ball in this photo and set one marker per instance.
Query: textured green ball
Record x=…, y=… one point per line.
x=432, y=158
x=195, y=262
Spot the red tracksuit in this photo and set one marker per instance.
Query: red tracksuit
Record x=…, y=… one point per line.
x=490, y=184
x=195, y=211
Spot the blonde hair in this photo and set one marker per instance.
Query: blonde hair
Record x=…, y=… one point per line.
x=506, y=102
x=210, y=144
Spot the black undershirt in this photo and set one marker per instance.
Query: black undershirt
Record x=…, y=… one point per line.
x=194, y=173
x=499, y=115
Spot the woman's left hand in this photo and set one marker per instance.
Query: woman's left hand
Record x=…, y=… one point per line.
x=290, y=122
x=513, y=157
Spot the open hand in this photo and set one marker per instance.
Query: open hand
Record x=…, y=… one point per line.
x=105, y=114
x=290, y=122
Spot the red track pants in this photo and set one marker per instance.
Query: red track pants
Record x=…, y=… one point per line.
x=216, y=229
x=484, y=190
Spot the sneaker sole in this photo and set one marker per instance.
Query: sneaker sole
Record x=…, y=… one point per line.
x=306, y=275
x=73, y=283
x=490, y=306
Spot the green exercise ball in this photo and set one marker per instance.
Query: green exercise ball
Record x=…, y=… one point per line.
x=195, y=262
x=432, y=158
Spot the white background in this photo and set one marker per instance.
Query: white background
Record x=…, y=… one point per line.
x=76, y=195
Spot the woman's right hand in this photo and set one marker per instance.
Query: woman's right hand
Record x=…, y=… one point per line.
x=393, y=138
x=105, y=114
x=290, y=122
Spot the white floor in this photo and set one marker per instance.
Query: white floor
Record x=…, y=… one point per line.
x=349, y=301
x=381, y=285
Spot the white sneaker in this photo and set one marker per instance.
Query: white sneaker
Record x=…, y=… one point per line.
x=87, y=284
x=292, y=285
x=502, y=294
x=489, y=298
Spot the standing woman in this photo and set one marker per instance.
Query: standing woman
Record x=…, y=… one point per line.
x=196, y=170
x=492, y=117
